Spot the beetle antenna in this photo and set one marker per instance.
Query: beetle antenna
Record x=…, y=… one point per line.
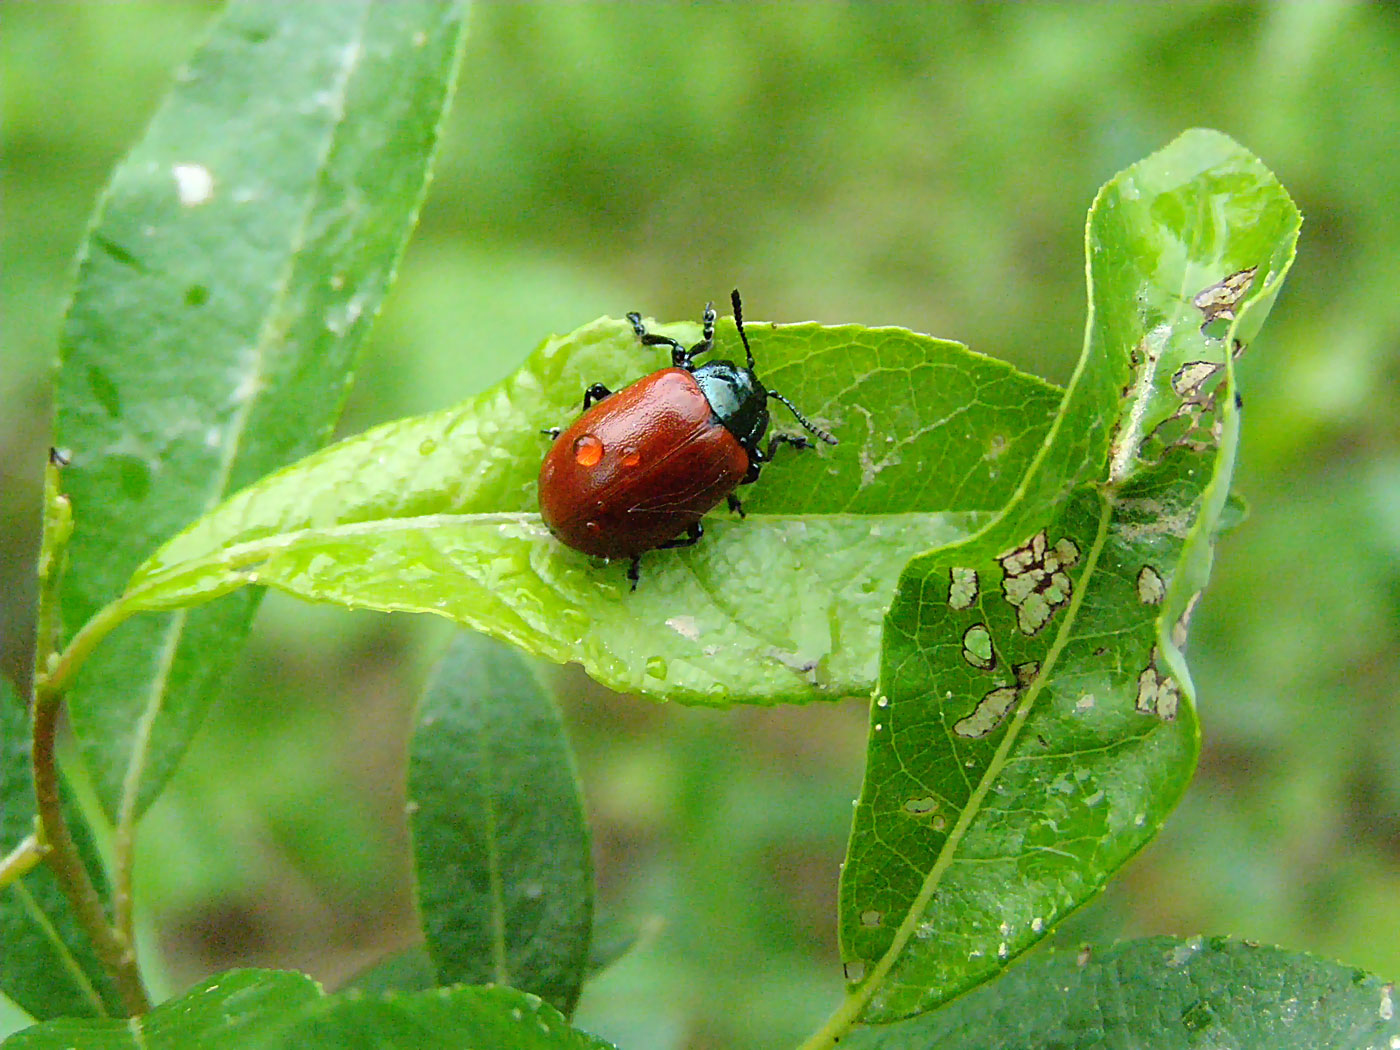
x=818, y=431
x=739, y=324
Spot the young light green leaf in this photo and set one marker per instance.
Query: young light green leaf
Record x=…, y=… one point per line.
x=1035, y=722
x=47, y=964
x=505, y=876
x=13, y=1017
x=438, y=514
x=271, y=1010
x=1160, y=993
x=236, y=261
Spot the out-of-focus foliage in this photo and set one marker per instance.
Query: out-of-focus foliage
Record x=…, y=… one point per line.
x=921, y=165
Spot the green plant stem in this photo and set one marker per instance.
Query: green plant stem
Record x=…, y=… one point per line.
x=116, y=954
x=21, y=860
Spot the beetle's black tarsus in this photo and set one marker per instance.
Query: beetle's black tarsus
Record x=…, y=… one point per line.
x=553, y=432
x=634, y=570
x=690, y=539
x=735, y=505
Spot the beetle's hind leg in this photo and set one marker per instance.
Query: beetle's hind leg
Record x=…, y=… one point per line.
x=735, y=505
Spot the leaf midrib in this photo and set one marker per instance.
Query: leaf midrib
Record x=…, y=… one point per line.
x=217, y=491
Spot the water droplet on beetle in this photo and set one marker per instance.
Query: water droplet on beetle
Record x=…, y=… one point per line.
x=588, y=450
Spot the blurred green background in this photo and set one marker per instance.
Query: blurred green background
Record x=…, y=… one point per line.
x=921, y=165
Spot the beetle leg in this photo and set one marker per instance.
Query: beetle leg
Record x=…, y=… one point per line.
x=690, y=539
x=553, y=432
x=735, y=505
x=797, y=442
x=707, y=333
x=594, y=394
x=634, y=570
x=680, y=357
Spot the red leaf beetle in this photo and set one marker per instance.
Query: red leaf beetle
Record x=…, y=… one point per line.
x=643, y=465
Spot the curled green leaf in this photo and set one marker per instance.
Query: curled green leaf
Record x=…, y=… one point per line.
x=438, y=514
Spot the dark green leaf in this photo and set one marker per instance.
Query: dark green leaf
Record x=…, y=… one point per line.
x=236, y=262
x=1035, y=720
x=505, y=877
x=47, y=964
x=438, y=514
x=269, y=1010
x=1160, y=994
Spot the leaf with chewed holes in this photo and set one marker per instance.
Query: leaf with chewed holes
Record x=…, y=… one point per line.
x=439, y=514
x=1035, y=721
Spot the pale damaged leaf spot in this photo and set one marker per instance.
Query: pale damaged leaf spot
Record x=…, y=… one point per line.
x=989, y=713
x=1150, y=587
x=854, y=970
x=1183, y=624
x=962, y=587
x=920, y=807
x=1220, y=299
x=977, y=647
x=1035, y=582
x=1158, y=694
x=871, y=917
x=1189, y=379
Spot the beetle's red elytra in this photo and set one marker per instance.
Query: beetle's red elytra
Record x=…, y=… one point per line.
x=640, y=468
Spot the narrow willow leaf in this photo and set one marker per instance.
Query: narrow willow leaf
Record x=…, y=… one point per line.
x=438, y=514
x=236, y=261
x=1160, y=994
x=47, y=964
x=505, y=876
x=1035, y=721
x=270, y=1010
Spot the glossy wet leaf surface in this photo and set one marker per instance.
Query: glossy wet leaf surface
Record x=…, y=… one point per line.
x=237, y=259
x=501, y=850
x=438, y=514
x=274, y=1010
x=1160, y=993
x=1035, y=721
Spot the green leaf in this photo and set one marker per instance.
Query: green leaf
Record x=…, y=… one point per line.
x=1160, y=994
x=1035, y=720
x=237, y=259
x=47, y=964
x=270, y=1010
x=505, y=876
x=438, y=514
